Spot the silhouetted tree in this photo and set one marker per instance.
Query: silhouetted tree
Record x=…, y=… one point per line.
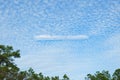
x=8, y=70
x=116, y=74
x=65, y=77
x=104, y=75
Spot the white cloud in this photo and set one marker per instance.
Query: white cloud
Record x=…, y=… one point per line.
x=60, y=37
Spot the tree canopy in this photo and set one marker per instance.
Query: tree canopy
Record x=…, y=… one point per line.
x=10, y=71
x=104, y=75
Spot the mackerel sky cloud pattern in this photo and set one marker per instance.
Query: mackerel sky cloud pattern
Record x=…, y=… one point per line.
x=75, y=37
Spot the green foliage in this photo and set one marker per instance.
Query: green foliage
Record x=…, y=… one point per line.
x=9, y=70
x=55, y=78
x=65, y=77
x=104, y=75
x=99, y=76
x=116, y=74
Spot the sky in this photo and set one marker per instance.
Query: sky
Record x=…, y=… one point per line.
x=56, y=37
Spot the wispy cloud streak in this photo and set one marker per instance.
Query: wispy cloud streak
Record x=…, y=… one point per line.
x=61, y=37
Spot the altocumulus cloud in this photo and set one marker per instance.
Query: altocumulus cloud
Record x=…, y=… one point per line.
x=61, y=37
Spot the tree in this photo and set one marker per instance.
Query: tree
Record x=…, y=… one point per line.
x=41, y=77
x=8, y=70
x=21, y=75
x=90, y=77
x=31, y=75
x=65, y=77
x=116, y=74
x=55, y=78
x=104, y=75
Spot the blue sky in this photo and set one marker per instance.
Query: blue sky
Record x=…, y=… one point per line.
x=55, y=37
